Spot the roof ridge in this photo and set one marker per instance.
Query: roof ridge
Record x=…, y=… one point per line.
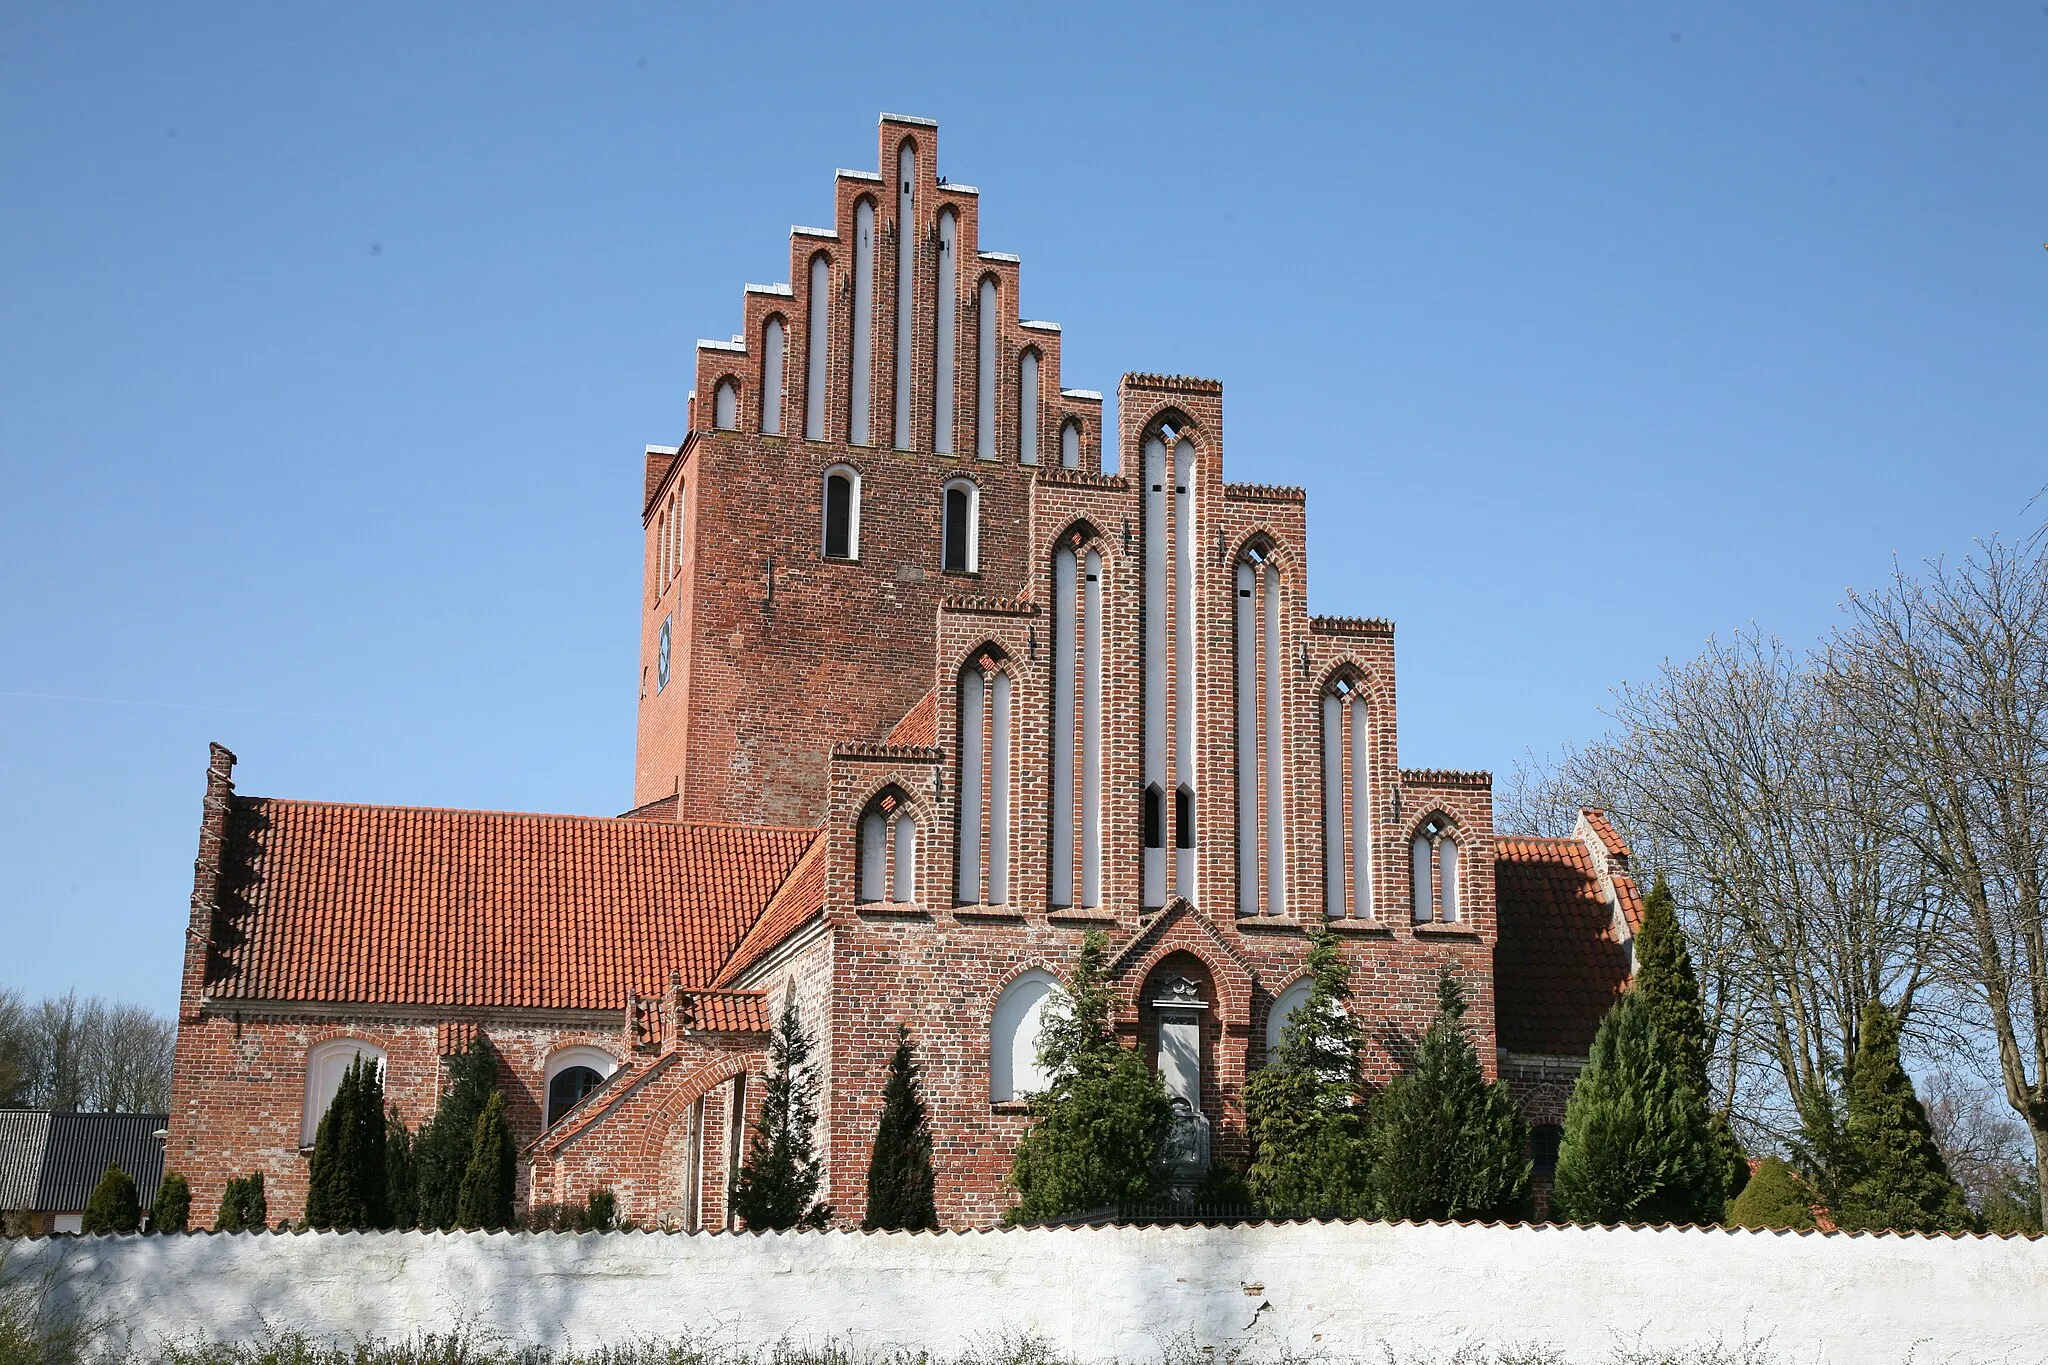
x=534, y=815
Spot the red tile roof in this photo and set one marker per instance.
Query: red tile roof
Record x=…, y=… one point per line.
x=725, y=1012
x=1558, y=966
x=919, y=728
x=799, y=900
x=1609, y=836
x=402, y=905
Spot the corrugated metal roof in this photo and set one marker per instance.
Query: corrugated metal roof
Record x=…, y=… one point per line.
x=50, y=1162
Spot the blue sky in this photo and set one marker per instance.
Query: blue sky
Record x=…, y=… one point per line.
x=330, y=337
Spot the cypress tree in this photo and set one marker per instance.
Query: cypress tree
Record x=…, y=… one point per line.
x=900, y=1170
x=492, y=1175
x=1101, y=1121
x=401, y=1191
x=172, y=1211
x=113, y=1205
x=345, y=1186
x=1775, y=1197
x=1637, y=1146
x=1895, y=1177
x=442, y=1146
x=778, y=1183
x=1447, y=1143
x=1310, y=1151
x=243, y=1205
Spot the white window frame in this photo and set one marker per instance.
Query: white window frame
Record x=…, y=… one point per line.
x=326, y=1063
x=853, y=510
x=973, y=491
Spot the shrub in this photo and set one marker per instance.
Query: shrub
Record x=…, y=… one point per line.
x=1447, y=1143
x=900, y=1177
x=113, y=1206
x=1775, y=1197
x=778, y=1183
x=345, y=1187
x=172, y=1211
x=401, y=1188
x=243, y=1205
x=441, y=1149
x=1104, y=1115
x=492, y=1176
x=1311, y=1156
x=1895, y=1176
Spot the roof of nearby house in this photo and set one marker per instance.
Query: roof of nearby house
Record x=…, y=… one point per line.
x=1559, y=964
x=51, y=1162
x=410, y=906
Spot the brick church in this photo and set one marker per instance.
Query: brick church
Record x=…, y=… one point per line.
x=925, y=695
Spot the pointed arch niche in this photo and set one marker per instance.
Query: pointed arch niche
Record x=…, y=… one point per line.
x=1347, y=798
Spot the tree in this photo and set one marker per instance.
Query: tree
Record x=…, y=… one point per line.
x=65, y=1054
x=1447, y=1143
x=492, y=1175
x=1664, y=978
x=243, y=1205
x=14, y=1050
x=778, y=1184
x=401, y=1189
x=441, y=1149
x=1100, y=1122
x=113, y=1206
x=172, y=1211
x=1895, y=1177
x=1989, y=1153
x=1775, y=1197
x=345, y=1186
x=900, y=1170
x=1310, y=1151
x=1637, y=1145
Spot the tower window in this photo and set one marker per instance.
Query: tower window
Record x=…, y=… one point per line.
x=772, y=346
x=961, y=535
x=842, y=513
x=1155, y=813
x=725, y=409
x=888, y=851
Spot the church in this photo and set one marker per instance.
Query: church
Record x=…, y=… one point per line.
x=924, y=697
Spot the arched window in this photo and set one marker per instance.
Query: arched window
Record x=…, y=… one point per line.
x=1433, y=872
x=985, y=358
x=1261, y=824
x=571, y=1074
x=945, y=346
x=772, y=336
x=1013, y=1070
x=1347, y=804
x=818, y=337
x=1070, y=444
x=982, y=866
x=1168, y=655
x=888, y=851
x=906, y=288
x=326, y=1064
x=725, y=407
x=1291, y=999
x=962, y=531
x=1076, y=722
x=861, y=383
x=1027, y=408
x=842, y=513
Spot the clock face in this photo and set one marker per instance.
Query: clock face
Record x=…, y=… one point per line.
x=661, y=660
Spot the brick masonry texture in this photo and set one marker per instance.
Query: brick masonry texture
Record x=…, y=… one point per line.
x=783, y=695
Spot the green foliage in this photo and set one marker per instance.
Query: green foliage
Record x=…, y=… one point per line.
x=900, y=1176
x=778, y=1184
x=2013, y=1204
x=1446, y=1143
x=442, y=1146
x=345, y=1185
x=1311, y=1156
x=243, y=1205
x=599, y=1212
x=401, y=1185
x=172, y=1211
x=113, y=1205
x=1103, y=1117
x=1775, y=1197
x=488, y=1182
x=1638, y=1146
x=1890, y=1173
x=1669, y=990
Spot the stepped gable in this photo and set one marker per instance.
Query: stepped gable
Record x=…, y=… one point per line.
x=1558, y=966
x=395, y=905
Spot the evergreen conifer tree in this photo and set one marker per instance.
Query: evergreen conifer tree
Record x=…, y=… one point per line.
x=345, y=1186
x=778, y=1184
x=442, y=1146
x=900, y=1170
x=1101, y=1121
x=492, y=1176
x=113, y=1205
x=1637, y=1145
x=1310, y=1151
x=401, y=1191
x=1895, y=1176
x=1446, y=1143
x=1775, y=1197
x=243, y=1205
x=172, y=1211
